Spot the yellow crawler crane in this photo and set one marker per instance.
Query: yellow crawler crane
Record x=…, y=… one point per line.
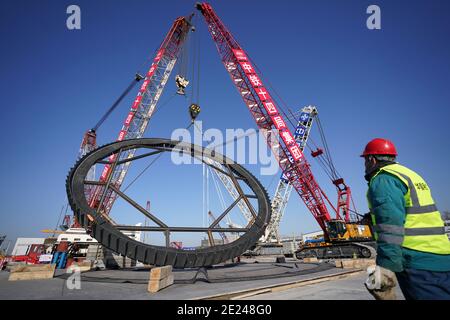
x=342, y=240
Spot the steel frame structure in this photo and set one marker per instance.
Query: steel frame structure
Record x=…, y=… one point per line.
x=111, y=236
x=229, y=185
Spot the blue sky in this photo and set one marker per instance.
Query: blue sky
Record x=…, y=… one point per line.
x=56, y=83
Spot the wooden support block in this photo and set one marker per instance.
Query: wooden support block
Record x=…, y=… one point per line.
x=157, y=285
x=32, y=272
x=160, y=272
x=355, y=263
x=310, y=260
x=84, y=266
x=338, y=263
x=160, y=278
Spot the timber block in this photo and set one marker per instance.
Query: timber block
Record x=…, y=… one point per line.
x=310, y=260
x=354, y=263
x=160, y=272
x=84, y=266
x=160, y=278
x=157, y=285
x=32, y=272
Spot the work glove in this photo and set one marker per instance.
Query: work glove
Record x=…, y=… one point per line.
x=381, y=283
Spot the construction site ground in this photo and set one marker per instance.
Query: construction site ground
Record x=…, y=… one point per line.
x=252, y=279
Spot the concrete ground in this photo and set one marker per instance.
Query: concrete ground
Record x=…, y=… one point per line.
x=350, y=288
x=227, y=281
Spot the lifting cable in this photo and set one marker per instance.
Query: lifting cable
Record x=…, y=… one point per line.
x=327, y=150
x=220, y=195
x=195, y=61
x=219, y=191
x=197, y=83
x=183, y=66
x=205, y=195
x=184, y=57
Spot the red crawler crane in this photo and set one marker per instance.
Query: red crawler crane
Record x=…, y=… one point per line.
x=290, y=157
x=142, y=110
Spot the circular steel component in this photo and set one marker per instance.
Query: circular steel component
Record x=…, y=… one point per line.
x=110, y=236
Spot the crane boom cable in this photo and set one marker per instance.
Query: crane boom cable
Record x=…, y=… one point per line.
x=336, y=173
x=219, y=191
x=198, y=70
x=320, y=160
x=116, y=103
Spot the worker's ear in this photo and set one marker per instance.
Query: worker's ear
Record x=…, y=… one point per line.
x=372, y=160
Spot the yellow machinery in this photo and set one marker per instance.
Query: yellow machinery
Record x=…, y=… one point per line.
x=342, y=240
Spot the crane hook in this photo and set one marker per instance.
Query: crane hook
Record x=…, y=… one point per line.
x=194, y=111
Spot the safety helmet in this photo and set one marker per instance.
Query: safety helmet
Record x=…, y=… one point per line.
x=380, y=146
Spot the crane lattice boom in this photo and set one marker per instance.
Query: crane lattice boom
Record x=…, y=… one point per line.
x=284, y=188
x=142, y=110
x=265, y=112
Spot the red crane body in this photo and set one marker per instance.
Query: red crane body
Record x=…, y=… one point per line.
x=265, y=112
x=259, y=102
x=141, y=111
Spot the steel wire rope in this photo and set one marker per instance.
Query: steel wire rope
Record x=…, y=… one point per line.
x=322, y=134
x=133, y=83
x=220, y=195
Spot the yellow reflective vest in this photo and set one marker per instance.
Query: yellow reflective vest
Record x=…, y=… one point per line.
x=424, y=228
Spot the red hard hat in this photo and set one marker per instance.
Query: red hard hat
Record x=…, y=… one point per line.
x=380, y=146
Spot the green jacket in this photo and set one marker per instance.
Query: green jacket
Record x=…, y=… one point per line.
x=386, y=193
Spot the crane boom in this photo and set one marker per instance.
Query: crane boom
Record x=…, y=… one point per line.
x=142, y=109
x=265, y=112
x=284, y=188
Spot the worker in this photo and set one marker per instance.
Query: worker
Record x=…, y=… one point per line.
x=412, y=246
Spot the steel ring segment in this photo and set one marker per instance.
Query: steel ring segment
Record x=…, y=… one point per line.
x=116, y=241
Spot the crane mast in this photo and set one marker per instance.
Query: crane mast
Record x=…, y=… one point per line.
x=265, y=112
x=142, y=109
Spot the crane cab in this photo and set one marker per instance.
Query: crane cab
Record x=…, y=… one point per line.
x=340, y=230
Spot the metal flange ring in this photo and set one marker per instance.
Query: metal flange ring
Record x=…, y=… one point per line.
x=112, y=238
